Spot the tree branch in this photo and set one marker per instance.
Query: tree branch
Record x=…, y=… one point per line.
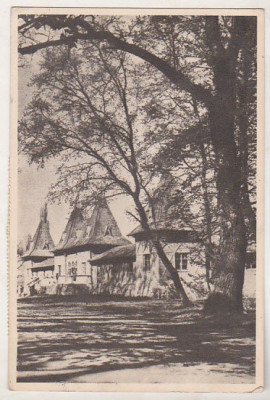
x=175, y=76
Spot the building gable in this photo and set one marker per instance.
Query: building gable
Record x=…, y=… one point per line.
x=42, y=243
x=100, y=230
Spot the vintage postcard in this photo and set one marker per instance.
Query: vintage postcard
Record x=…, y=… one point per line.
x=136, y=200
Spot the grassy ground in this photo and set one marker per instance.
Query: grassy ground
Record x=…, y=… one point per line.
x=107, y=341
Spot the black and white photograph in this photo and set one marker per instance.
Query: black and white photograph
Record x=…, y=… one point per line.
x=136, y=256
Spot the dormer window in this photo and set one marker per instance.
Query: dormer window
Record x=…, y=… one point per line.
x=46, y=245
x=108, y=230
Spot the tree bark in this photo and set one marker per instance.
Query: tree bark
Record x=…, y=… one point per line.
x=229, y=265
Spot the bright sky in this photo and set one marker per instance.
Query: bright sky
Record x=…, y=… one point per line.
x=34, y=183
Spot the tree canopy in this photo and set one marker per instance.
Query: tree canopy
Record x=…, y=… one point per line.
x=145, y=95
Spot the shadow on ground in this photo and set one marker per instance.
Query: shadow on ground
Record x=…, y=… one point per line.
x=57, y=342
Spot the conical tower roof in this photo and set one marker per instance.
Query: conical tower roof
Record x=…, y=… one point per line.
x=74, y=227
x=42, y=243
x=100, y=229
x=102, y=222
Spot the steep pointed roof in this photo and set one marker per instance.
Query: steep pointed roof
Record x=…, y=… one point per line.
x=42, y=243
x=100, y=229
x=102, y=222
x=74, y=226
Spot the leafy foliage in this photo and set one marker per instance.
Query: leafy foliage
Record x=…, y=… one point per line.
x=133, y=99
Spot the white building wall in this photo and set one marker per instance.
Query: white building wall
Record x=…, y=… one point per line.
x=157, y=281
x=60, y=267
x=79, y=260
x=145, y=281
x=194, y=277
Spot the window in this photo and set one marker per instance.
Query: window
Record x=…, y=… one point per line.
x=130, y=267
x=69, y=268
x=48, y=274
x=83, y=268
x=59, y=270
x=108, y=230
x=74, y=268
x=46, y=245
x=146, y=258
x=181, y=261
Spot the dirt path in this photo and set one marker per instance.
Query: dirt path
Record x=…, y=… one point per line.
x=132, y=340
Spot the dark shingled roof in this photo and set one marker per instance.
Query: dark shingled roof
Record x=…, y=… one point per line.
x=43, y=264
x=100, y=229
x=162, y=226
x=117, y=254
x=42, y=243
x=39, y=253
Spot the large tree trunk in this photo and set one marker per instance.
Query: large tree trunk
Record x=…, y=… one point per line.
x=229, y=265
x=228, y=268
